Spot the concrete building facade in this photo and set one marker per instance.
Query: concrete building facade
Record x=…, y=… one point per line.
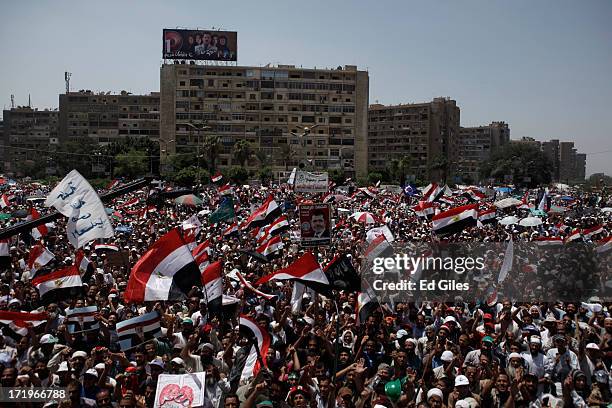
x=424, y=132
x=105, y=117
x=28, y=133
x=264, y=106
x=476, y=145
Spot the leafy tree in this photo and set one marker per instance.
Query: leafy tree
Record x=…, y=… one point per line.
x=189, y=176
x=242, y=151
x=124, y=145
x=286, y=155
x=262, y=157
x=132, y=164
x=374, y=177
x=238, y=175
x=184, y=160
x=527, y=165
x=265, y=174
x=337, y=176
x=76, y=155
x=212, y=145
x=439, y=164
x=393, y=169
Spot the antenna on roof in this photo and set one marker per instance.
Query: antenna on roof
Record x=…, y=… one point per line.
x=29, y=101
x=12, y=101
x=67, y=76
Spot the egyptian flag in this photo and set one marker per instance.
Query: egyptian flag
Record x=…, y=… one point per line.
x=366, y=304
x=277, y=227
x=255, y=255
x=305, y=269
x=106, y=247
x=487, y=216
x=264, y=215
x=369, y=192
x=81, y=319
x=113, y=184
x=253, y=332
x=5, y=201
x=379, y=247
x=203, y=247
x=212, y=283
x=216, y=178
x=231, y=230
x=604, y=245
x=525, y=201
x=340, y=274
x=590, y=232
x=225, y=190
x=54, y=285
x=424, y=209
x=137, y=330
x=432, y=192
x=167, y=271
x=271, y=247
x=129, y=203
x=41, y=230
x=86, y=268
x=202, y=261
x=573, y=236
x=548, y=241
x=474, y=195
x=15, y=324
x=250, y=287
x=39, y=257
x=455, y=219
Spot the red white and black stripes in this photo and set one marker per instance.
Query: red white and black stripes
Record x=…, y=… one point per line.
x=138, y=330
x=252, y=331
x=455, y=219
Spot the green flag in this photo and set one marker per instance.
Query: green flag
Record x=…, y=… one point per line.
x=225, y=211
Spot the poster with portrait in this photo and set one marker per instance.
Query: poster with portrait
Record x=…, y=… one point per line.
x=315, y=224
x=180, y=390
x=210, y=45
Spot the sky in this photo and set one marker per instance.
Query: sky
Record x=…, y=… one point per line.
x=544, y=67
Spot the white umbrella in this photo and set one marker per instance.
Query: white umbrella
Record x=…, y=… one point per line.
x=510, y=220
x=530, y=222
x=562, y=187
x=204, y=212
x=343, y=210
x=507, y=202
x=365, y=217
x=606, y=209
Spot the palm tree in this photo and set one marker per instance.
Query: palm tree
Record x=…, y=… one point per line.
x=393, y=169
x=262, y=157
x=286, y=155
x=212, y=144
x=439, y=163
x=403, y=166
x=242, y=151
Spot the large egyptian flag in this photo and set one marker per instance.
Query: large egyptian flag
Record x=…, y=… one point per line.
x=137, y=330
x=455, y=219
x=277, y=227
x=39, y=257
x=264, y=215
x=167, y=271
x=487, y=216
x=340, y=274
x=204, y=247
x=15, y=324
x=212, y=282
x=574, y=236
x=255, y=333
x=474, y=195
x=58, y=284
x=81, y=319
x=548, y=241
x=591, y=232
x=305, y=269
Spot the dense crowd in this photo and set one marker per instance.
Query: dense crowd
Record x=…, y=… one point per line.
x=322, y=353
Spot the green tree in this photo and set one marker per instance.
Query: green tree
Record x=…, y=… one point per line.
x=439, y=165
x=242, y=151
x=188, y=176
x=403, y=167
x=76, y=155
x=265, y=174
x=262, y=157
x=337, y=176
x=393, y=169
x=374, y=177
x=132, y=164
x=527, y=165
x=212, y=144
x=238, y=175
x=286, y=155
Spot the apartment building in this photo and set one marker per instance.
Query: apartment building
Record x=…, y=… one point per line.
x=475, y=145
x=28, y=133
x=104, y=117
x=425, y=132
x=269, y=107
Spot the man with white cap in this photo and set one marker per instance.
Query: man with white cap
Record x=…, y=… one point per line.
x=447, y=369
x=461, y=391
x=534, y=358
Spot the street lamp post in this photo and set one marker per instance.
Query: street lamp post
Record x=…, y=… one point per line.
x=199, y=128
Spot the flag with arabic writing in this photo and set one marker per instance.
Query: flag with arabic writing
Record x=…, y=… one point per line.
x=76, y=199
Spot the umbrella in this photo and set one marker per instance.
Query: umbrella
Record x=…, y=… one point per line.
x=204, y=212
x=365, y=217
x=530, y=222
x=509, y=220
x=562, y=187
x=109, y=211
x=606, y=209
x=567, y=198
x=537, y=212
x=188, y=199
x=507, y=202
x=557, y=209
x=19, y=213
x=503, y=189
x=5, y=216
x=343, y=210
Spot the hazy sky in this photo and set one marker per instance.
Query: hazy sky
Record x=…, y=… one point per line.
x=545, y=67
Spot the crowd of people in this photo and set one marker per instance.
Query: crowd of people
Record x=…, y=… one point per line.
x=323, y=352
